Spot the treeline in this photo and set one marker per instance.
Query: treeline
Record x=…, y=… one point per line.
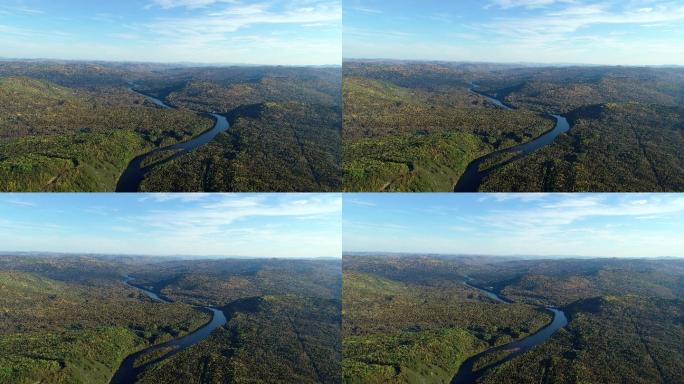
x=562, y=90
x=561, y=282
x=223, y=89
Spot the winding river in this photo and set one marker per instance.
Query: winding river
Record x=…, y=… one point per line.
x=466, y=373
x=127, y=372
x=472, y=177
x=135, y=172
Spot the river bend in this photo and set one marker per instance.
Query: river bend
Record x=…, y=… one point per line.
x=135, y=171
x=467, y=374
x=128, y=373
x=472, y=177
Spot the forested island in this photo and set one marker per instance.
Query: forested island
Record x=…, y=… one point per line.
x=412, y=318
x=417, y=126
x=74, y=319
x=78, y=126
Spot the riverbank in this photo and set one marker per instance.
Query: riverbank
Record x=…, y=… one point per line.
x=130, y=370
x=138, y=168
x=473, y=176
x=467, y=373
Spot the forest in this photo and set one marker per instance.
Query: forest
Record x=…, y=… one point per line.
x=269, y=147
x=72, y=126
x=415, y=126
x=412, y=318
x=71, y=319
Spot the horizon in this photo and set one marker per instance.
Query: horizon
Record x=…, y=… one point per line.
x=604, y=32
x=187, y=64
x=209, y=225
x=517, y=64
x=504, y=256
x=644, y=225
x=253, y=32
x=153, y=256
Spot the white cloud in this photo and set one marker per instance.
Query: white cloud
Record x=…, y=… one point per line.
x=8, y=9
x=504, y=197
x=364, y=9
x=164, y=197
x=190, y=4
x=356, y=201
x=20, y=202
x=506, y=4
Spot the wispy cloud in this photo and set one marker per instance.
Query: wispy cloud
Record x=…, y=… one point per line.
x=212, y=217
x=612, y=32
x=364, y=9
x=246, y=29
x=216, y=24
x=506, y=4
x=614, y=225
x=356, y=201
x=258, y=225
x=19, y=202
x=559, y=24
x=190, y=4
x=164, y=197
x=513, y=196
x=20, y=9
x=571, y=209
x=284, y=32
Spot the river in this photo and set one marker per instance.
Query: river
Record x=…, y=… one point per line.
x=472, y=177
x=466, y=373
x=127, y=372
x=135, y=172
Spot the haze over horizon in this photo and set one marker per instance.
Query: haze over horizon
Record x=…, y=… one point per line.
x=251, y=32
x=588, y=32
x=203, y=225
x=531, y=224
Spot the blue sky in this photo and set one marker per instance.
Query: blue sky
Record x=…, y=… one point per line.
x=254, y=225
x=288, y=32
x=626, y=32
x=613, y=225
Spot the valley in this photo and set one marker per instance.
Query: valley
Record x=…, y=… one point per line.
x=103, y=319
x=82, y=127
x=439, y=126
x=461, y=319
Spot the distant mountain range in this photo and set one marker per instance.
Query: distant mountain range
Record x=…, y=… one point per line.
x=501, y=64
